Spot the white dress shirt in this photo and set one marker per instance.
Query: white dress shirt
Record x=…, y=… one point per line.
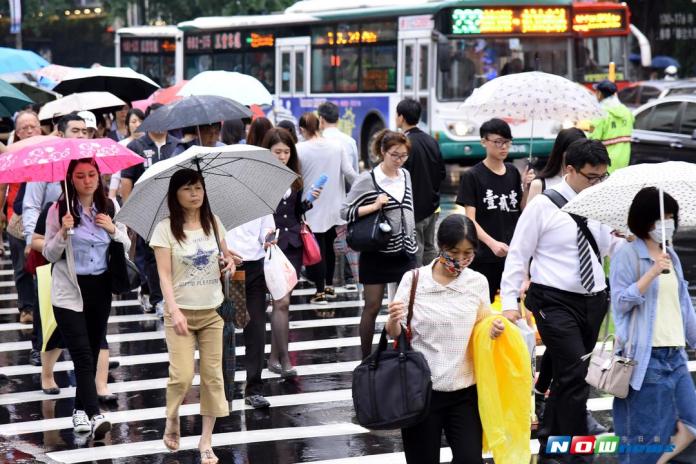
x=443, y=321
x=396, y=186
x=247, y=240
x=548, y=236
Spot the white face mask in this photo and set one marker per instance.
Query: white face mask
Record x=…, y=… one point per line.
x=656, y=234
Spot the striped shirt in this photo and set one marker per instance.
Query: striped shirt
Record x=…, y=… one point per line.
x=399, y=213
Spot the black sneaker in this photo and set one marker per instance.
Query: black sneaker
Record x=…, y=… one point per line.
x=539, y=405
x=35, y=357
x=257, y=401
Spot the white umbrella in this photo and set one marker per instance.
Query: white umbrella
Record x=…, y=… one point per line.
x=610, y=201
x=122, y=82
x=242, y=183
x=242, y=88
x=84, y=101
x=535, y=96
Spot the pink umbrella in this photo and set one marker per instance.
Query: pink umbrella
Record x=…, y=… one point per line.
x=164, y=96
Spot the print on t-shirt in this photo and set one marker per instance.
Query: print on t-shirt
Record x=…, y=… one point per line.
x=198, y=264
x=501, y=202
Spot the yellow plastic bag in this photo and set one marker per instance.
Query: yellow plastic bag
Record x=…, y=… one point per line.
x=48, y=320
x=503, y=382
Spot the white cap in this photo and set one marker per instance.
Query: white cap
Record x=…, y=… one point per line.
x=671, y=69
x=90, y=119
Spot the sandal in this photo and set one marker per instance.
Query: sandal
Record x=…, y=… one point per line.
x=208, y=457
x=171, y=441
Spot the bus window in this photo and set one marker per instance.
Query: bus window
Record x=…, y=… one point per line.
x=300, y=72
x=261, y=66
x=476, y=61
x=423, y=68
x=379, y=69
x=593, y=55
x=285, y=72
x=229, y=62
x=322, y=72
x=408, y=67
x=197, y=64
x=346, y=66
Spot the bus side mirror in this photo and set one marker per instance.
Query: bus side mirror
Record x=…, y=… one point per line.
x=444, y=62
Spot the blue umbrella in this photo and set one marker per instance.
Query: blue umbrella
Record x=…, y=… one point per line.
x=11, y=99
x=13, y=60
x=662, y=61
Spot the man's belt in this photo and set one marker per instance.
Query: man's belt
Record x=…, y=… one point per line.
x=615, y=140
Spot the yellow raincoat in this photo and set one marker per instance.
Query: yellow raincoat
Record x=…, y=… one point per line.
x=503, y=382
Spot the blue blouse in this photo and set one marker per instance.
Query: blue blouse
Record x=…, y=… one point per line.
x=90, y=245
x=626, y=298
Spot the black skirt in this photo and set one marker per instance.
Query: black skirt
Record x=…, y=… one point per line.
x=294, y=255
x=384, y=268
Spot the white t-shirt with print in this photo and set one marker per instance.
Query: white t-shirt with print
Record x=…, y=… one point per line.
x=195, y=268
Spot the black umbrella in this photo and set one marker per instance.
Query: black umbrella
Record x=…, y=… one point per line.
x=197, y=110
x=226, y=312
x=122, y=82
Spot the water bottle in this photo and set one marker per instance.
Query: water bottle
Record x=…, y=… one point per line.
x=317, y=185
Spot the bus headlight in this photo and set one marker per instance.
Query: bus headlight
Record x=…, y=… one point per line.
x=461, y=128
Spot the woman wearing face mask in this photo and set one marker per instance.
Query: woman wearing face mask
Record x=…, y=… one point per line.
x=648, y=286
x=450, y=299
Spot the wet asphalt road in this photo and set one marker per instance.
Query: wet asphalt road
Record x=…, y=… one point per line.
x=311, y=418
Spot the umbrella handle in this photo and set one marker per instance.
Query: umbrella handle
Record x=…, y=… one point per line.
x=662, y=223
x=70, y=231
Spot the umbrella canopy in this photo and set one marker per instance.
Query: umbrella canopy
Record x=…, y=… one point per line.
x=46, y=159
x=194, y=111
x=164, y=96
x=663, y=61
x=85, y=101
x=610, y=201
x=11, y=100
x=13, y=60
x=533, y=95
x=122, y=82
x=27, y=83
x=242, y=183
x=239, y=87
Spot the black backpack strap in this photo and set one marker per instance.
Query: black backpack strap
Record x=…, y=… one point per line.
x=560, y=201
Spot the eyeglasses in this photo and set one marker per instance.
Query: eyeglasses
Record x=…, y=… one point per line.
x=500, y=143
x=593, y=180
x=398, y=156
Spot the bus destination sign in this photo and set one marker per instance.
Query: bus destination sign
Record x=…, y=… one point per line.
x=517, y=20
x=591, y=21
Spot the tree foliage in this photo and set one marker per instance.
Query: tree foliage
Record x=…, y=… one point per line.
x=174, y=11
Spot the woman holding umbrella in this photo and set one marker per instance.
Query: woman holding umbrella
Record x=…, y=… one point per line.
x=186, y=248
x=81, y=289
x=655, y=320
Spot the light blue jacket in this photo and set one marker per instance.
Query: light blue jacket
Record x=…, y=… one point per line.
x=626, y=298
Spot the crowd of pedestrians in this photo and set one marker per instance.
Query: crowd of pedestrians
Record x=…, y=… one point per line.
x=513, y=243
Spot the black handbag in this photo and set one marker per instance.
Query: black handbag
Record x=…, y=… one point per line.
x=125, y=276
x=365, y=233
x=392, y=386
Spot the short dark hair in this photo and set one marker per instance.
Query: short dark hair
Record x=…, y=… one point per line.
x=645, y=210
x=410, y=110
x=63, y=121
x=288, y=126
x=153, y=107
x=232, y=131
x=455, y=228
x=133, y=112
x=586, y=151
x=495, y=126
x=328, y=111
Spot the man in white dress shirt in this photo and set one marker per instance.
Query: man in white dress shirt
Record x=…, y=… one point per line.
x=568, y=294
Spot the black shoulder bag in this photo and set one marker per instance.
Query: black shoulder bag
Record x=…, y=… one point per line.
x=125, y=276
x=365, y=233
x=392, y=386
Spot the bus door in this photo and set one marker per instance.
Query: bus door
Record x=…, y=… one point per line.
x=292, y=71
x=416, y=69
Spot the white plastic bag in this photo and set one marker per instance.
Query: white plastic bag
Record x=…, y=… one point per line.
x=280, y=274
x=528, y=334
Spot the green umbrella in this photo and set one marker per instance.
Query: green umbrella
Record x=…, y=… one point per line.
x=11, y=99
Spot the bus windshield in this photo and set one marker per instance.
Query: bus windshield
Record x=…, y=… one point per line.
x=473, y=62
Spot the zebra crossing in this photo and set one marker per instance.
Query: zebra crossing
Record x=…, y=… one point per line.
x=310, y=419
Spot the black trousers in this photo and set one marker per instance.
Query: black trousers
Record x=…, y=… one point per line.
x=147, y=255
x=493, y=273
x=569, y=325
x=457, y=414
x=255, y=331
x=322, y=273
x=83, y=333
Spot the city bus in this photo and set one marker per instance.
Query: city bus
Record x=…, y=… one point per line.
x=367, y=58
x=155, y=51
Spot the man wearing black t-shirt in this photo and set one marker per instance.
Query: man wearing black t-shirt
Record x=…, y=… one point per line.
x=491, y=193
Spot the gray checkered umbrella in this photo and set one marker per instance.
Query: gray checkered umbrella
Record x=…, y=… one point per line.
x=242, y=182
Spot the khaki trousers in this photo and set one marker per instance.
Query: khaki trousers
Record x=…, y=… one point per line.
x=205, y=328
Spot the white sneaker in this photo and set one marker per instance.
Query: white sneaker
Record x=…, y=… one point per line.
x=100, y=426
x=159, y=309
x=80, y=422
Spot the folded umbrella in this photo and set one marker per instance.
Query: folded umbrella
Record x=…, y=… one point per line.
x=194, y=111
x=84, y=101
x=242, y=183
x=122, y=82
x=610, y=201
x=239, y=87
x=11, y=100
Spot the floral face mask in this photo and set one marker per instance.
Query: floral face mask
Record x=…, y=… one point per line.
x=452, y=265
